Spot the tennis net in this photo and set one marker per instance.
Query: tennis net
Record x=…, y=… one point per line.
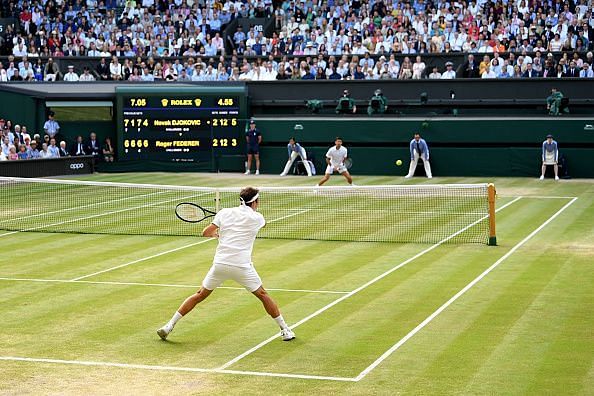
x=396, y=213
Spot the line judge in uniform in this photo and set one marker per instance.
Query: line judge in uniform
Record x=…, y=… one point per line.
x=419, y=149
x=550, y=156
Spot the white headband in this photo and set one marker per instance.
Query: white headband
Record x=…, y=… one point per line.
x=251, y=200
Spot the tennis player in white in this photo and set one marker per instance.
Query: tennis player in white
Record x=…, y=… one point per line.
x=335, y=162
x=236, y=228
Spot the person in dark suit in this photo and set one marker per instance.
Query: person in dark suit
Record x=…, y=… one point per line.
x=572, y=70
x=63, y=151
x=103, y=70
x=530, y=72
x=78, y=148
x=470, y=69
x=93, y=147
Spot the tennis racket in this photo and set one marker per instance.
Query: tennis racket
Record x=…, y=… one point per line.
x=348, y=163
x=192, y=213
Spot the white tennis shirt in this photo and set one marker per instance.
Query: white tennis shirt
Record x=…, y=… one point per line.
x=238, y=228
x=336, y=156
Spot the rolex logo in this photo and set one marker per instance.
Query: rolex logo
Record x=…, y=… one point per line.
x=164, y=102
x=197, y=102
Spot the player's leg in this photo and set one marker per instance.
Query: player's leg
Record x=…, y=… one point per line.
x=248, y=277
x=329, y=171
x=556, y=168
x=543, y=170
x=413, y=165
x=257, y=155
x=213, y=279
x=249, y=163
x=427, y=169
x=347, y=176
x=272, y=309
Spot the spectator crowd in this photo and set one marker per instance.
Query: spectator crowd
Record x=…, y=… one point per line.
x=135, y=40
x=19, y=144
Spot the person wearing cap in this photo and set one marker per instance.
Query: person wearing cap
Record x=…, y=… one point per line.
x=253, y=138
x=554, y=103
x=33, y=151
x=418, y=150
x=236, y=229
x=346, y=104
x=378, y=104
x=51, y=126
x=71, y=76
x=449, y=73
x=550, y=156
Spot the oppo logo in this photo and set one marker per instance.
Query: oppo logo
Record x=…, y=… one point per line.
x=77, y=166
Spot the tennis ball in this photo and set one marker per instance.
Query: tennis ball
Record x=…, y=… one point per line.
x=399, y=162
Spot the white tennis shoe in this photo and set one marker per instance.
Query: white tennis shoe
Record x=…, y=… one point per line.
x=556, y=177
x=542, y=177
x=257, y=172
x=247, y=172
x=287, y=334
x=164, y=331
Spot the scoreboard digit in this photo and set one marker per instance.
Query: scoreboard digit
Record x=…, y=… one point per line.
x=188, y=124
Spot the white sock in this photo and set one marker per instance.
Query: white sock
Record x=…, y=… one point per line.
x=176, y=316
x=281, y=322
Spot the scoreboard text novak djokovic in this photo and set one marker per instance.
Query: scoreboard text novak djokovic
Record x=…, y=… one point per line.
x=190, y=125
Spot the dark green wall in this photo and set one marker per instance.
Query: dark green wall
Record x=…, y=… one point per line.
x=459, y=147
x=21, y=109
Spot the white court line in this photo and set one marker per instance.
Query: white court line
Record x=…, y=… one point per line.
x=170, y=251
x=102, y=214
x=362, y=287
x=143, y=259
x=439, y=310
x=163, y=285
x=539, y=196
x=174, y=368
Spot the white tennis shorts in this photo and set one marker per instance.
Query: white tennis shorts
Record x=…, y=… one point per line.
x=549, y=158
x=330, y=169
x=245, y=276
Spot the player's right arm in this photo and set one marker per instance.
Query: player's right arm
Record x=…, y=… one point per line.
x=211, y=231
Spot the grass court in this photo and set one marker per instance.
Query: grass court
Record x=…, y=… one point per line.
x=80, y=311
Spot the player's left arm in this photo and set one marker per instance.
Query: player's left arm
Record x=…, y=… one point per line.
x=211, y=231
x=259, y=138
x=426, y=150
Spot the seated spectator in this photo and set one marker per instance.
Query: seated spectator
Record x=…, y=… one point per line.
x=54, y=151
x=63, y=151
x=13, y=156
x=586, y=71
x=530, y=72
x=108, y=151
x=92, y=147
x=51, y=71
x=103, y=70
x=449, y=74
x=6, y=146
x=71, y=76
x=33, y=152
x=78, y=148
x=86, y=76
x=44, y=153
x=435, y=74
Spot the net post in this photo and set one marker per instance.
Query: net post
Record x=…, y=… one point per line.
x=492, y=235
x=217, y=200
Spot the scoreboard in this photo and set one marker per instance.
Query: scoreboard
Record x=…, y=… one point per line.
x=180, y=123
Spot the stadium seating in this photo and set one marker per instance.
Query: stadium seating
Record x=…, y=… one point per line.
x=148, y=40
